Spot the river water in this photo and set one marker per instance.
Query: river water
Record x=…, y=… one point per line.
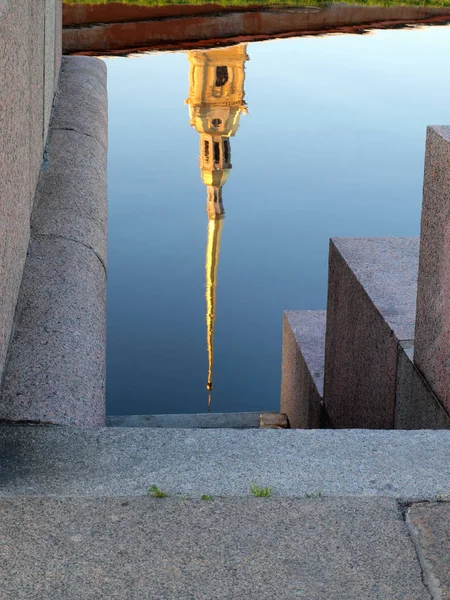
x=298, y=140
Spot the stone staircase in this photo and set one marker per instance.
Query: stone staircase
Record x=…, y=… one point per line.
x=353, y=366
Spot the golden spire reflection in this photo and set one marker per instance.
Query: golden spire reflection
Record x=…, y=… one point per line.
x=216, y=102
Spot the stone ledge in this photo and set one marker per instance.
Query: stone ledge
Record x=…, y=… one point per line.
x=56, y=366
x=244, y=420
x=116, y=461
x=432, y=336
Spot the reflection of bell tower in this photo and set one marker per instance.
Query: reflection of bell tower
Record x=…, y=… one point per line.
x=216, y=102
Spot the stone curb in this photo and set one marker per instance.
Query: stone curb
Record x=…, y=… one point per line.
x=122, y=461
x=56, y=369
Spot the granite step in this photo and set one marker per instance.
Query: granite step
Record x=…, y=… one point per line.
x=303, y=368
x=240, y=420
x=353, y=365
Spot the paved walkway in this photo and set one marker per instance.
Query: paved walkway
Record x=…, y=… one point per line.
x=142, y=548
x=76, y=521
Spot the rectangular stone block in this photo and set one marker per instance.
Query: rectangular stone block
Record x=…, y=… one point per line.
x=416, y=406
x=25, y=45
x=49, y=60
x=371, y=307
x=242, y=420
x=21, y=123
x=302, y=368
x=432, y=339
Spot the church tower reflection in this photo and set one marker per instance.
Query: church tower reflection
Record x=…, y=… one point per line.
x=216, y=102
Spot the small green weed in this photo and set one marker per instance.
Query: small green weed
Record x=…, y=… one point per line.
x=207, y=497
x=155, y=492
x=315, y=495
x=261, y=492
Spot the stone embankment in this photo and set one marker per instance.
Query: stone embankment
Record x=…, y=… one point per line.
x=121, y=29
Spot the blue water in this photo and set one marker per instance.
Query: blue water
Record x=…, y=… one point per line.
x=333, y=145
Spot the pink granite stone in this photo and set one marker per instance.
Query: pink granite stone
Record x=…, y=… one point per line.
x=302, y=368
x=432, y=338
x=21, y=144
x=56, y=368
x=371, y=307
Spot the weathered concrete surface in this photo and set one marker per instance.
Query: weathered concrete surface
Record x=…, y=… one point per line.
x=430, y=524
x=416, y=407
x=56, y=367
x=243, y=420
x=120, y=29
x=118, y=461
x=252, y=548
x=432, y=340
x=23, y=87
x=372, y=288
x=302, y=368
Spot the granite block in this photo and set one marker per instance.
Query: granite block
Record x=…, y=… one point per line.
x=20, y=149
x=71, y=198
x=416, y=406
x=75, y=152
x=22, y=91
x=430, y=528
x=432, y=339
x=244, y=420
x=56, y=368
x=175, y=549
x=371, y=307
x=302, y=368
x=118, y=461
x=86, y=113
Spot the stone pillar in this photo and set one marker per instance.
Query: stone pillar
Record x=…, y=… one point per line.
x=432, y=334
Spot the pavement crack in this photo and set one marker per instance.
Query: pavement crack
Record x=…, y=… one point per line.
x=429, y=579
x=69, y=239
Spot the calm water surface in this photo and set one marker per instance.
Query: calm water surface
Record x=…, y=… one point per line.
x=332, y=145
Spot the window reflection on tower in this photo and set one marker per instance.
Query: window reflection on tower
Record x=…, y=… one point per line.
x=216, y=102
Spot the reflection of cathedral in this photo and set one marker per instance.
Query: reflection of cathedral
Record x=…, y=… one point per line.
x=216, y=102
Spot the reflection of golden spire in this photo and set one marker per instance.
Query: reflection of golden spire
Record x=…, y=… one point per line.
x=212, y=262
x=216, y=102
